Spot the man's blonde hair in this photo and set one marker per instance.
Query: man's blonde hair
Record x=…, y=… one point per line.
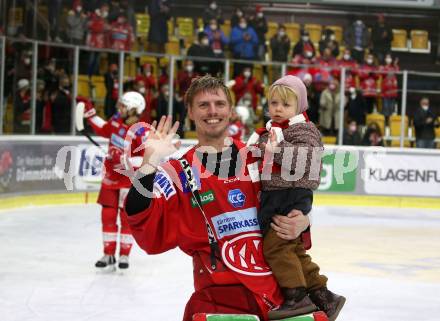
x=206, y=84
x=285, y=93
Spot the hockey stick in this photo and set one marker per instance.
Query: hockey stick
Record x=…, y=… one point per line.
x=79, y=124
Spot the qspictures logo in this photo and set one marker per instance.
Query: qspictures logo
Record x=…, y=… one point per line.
x=6, y=168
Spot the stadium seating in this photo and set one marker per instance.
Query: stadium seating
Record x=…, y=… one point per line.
x=395, y=124
x=83, y=86
x=293, y=30
x=272, y=28
x=329, y=140
x=185, y=28
x=419, y=41
x=226, y=27
x=400, y=40
x=172, y=46
x=142, y=25
x=315, y=32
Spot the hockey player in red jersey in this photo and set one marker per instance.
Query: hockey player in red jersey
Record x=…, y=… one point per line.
x=114, y=185
x=201, y=204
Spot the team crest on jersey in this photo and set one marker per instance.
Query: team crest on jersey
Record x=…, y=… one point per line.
x=236, y=198
x=244, y=255
x=121, y=132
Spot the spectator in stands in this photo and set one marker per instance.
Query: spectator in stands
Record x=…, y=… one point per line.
x=329, y=108
x=159, y=11
x=97, y=36
x=244, y=40
x=49, y=75
x=213, y=11
x=128, y=6
x=280, y=45
x=351, y=66
x=40, y=105
x=312, y=98
x=114, y=10
x=368, y=76
x=23, y=67
x=323, y=70
x=351, y=134
x=247, y=83
x=121, y=33
x=373, y=135
x=202, y=49
x=150, y=84
x=357, y=38
x=22, y=108
x=217, y=39
x=236, y=16
x=236, y=127
x=55, y=11
x=389, y=85
x=61, y=107
x=112, y=90
x=304, y=47
x=259, y=23
x=76, y=24
x=162, y=102
x=382, y=37
x=184, y=79
x=328, y=40
x=247, y=113
x=356, y=106
x=425, y=120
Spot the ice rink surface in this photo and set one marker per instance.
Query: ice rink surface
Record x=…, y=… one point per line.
x=385, y=261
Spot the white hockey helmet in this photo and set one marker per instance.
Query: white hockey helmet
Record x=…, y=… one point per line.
x=133, y=100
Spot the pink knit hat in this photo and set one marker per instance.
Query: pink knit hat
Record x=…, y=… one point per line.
x=297, y=85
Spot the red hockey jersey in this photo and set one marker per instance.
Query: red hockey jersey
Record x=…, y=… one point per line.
x=174, y=220
x=121, y=36
x=116, y=131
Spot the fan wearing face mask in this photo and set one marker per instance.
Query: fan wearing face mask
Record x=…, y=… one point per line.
x=425, y=120
x=328, y=40
x=213, y=11
x=244, y=41
x=389, y=85
x=98, y=27
x=304, y=47
x=121, y=33
x=259, y=23
x=280, y=45
x=217, y=39
x=368, y=78
x=351, y=67
x=149, y=81
x=247, y=83
x=76, y=24
x=201, y=48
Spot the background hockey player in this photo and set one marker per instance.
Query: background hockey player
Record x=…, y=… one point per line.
x=115, y=185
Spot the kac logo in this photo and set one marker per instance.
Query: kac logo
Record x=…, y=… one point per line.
x=244, y=255
x=236, y=198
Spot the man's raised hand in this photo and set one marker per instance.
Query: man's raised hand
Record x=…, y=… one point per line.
x=159, y=144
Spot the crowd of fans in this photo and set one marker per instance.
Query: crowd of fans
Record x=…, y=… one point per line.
x=371, y=82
